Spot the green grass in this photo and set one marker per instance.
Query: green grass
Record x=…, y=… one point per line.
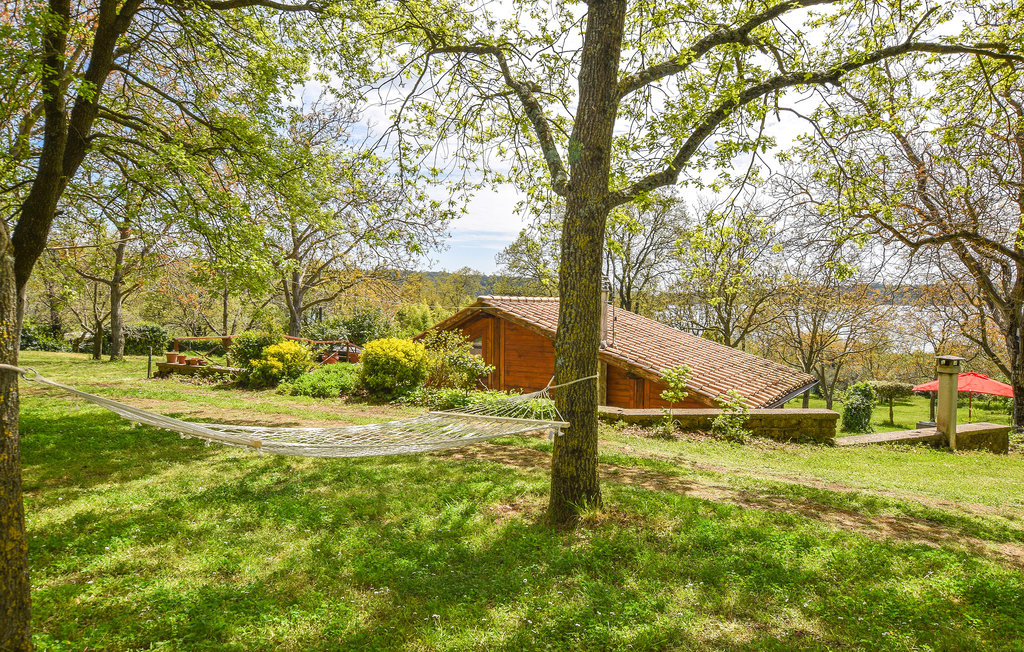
x=140, y=539
x=908, y=411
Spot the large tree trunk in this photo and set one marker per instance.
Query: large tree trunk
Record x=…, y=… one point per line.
x=294, y=298
x=15, y=630
x=1016, y=364
x=117, y=297
x=574, y=480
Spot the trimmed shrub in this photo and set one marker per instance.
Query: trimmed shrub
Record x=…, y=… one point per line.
x=731, y=423
x=248, y=347
x=858, y=403
x=283, y=361
x=450, y=361
x=393, y=367
x=329, y=381
x=890, y=390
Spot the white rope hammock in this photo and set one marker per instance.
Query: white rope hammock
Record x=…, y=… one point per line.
x=528, y=413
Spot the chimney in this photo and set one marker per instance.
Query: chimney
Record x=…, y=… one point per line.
x=605, y=290
x=948, y=368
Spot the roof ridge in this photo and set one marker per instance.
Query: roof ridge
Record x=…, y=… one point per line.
x=510, y=297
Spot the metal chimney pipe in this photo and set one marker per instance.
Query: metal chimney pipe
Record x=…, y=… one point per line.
x=605, y=291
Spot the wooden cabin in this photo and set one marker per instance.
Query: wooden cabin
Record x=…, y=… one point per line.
x=516, y=336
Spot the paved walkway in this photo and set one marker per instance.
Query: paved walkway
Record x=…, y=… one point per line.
x=921, y=436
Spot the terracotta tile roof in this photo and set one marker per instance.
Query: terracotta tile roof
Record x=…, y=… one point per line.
x=649, y=347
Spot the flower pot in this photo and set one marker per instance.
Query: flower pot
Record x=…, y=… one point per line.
x=190, y=361
x=200, y=362
x=180, y=358
x=172, y=357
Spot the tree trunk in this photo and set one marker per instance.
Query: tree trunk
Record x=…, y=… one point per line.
x=1016, y=360
x=116, y=324
x=15, y=599
x=294, y=300
x=224, y=308
x=117, y=298
x=574, y=480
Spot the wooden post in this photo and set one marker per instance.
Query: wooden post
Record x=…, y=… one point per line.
x=948, y=368
x=149, y=364
x=602, y=383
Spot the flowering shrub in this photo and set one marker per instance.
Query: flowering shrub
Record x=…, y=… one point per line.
x=392, y=367
x=248, y=347
x=283, y=361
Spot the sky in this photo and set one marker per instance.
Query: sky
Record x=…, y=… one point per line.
x=490, y=225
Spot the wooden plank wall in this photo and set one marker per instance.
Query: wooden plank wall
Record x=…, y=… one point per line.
x=528, y=359
x=525, y=360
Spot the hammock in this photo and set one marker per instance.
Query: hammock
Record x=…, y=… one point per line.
x=432, y=431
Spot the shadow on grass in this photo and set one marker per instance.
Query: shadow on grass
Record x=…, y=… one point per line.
x=162, y=541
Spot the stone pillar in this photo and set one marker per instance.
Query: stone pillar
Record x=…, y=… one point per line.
x=948, y=370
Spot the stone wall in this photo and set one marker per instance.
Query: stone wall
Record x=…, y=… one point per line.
x=782, y=424
x=983, y=437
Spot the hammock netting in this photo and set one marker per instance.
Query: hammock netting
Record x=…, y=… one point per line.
x=479, y=422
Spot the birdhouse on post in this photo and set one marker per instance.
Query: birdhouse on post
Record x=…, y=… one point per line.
x=948, y=369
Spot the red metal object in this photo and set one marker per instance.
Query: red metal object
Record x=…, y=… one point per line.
x=972, y=383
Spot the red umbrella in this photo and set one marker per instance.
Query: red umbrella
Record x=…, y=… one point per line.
x=971, y=383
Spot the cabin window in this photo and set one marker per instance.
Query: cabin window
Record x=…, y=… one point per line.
x=478, y=347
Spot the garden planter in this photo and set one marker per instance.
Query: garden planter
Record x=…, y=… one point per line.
x=180, y=358
x=172, y=357
x=190, y=361
x=200, y=362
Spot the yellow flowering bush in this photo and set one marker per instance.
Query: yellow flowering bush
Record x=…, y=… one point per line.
x=285, y=360
x=392, y=366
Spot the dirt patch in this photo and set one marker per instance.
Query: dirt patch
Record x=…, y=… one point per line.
x=876, y=526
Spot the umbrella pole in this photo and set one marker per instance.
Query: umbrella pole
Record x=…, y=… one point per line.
x=970, y=400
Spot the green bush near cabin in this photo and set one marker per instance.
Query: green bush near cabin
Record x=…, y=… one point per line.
x=392, y=367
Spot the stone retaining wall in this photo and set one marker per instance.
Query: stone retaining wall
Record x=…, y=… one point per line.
x=782, y=424
x=983, y=437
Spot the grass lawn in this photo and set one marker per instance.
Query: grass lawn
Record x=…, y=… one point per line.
x=908, y=411
x=140, y=539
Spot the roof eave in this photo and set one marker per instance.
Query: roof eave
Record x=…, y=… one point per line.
x=779, y=402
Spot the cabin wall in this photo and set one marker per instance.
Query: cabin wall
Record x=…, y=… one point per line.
x=525, y=361
x=528, y=359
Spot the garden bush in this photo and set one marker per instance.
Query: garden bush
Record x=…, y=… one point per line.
x=367, y=324
x=37, y=337
x=858, y=403
x=248, y=347
x=890, y=390
x=328, y=329
x=451, y=362
x=329, y=381
x=138, y=338
x=282, y=361
x=392, y=367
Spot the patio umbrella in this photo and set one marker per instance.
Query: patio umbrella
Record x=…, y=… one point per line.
x=971, y=383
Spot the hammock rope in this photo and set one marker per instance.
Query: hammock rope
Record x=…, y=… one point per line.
x=479, y=422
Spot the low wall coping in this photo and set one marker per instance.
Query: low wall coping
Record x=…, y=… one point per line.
x=607, y=410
